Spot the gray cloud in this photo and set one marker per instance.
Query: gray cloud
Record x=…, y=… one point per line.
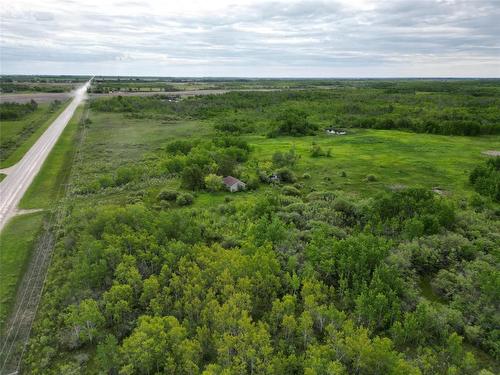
x=304, y=38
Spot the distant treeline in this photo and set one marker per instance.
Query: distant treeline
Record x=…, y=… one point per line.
x=16, y=87
x=449, y=108
x=16, y=111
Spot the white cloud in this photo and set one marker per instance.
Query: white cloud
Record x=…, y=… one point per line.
x=251, y=38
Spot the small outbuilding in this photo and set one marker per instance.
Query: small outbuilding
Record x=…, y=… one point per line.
x=233, y=184
x=336, y=131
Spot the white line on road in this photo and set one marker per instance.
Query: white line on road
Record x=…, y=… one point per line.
x=20, y=176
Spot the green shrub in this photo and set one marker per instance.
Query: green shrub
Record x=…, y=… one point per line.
x=106, y=181
x=184, y=199
x=124, y=175
x=213, y=182
x=294, y=122
x=317, y=151
x=168, y=195
x=485, y=179
x=290, y=190
x=371, y=178
x=285, y=175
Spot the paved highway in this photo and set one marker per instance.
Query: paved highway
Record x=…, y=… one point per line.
x=20, y=175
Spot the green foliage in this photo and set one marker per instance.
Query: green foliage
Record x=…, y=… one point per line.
x=317, y=151
x=168, y=195
x=292, y=279
x=286, y=175
x=16, y=111
x=213, y=182
x=20, y=127
x=294, y=122
x=416, y=211
x=468, y=108
x=184, y=199
x=285, y=159
x=85, y=321
x=486, y=179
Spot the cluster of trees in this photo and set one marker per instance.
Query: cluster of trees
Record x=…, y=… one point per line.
x=486, y=178
x=312, y=283
x=435, y=125
x=16, y=111
x=450, y=108
x=293, y=122
x=202, y=165
x=23, y=87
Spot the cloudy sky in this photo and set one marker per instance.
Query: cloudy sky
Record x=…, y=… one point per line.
x=335, y=38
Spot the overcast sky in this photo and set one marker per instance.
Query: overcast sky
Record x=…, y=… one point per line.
x=336, y=38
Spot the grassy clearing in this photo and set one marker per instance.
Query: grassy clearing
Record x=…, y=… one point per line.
x=16, y=243
x=394, y=157
x=24, y=139
x=46, y=187
x=113, y=140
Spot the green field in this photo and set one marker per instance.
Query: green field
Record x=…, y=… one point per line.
x=16, y=243
x=396, y=158
x=18, y=136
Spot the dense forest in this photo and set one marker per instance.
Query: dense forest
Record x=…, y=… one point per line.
x=293, y=279
x=449, y=108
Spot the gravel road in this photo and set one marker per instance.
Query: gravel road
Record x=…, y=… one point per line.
x=20, y=175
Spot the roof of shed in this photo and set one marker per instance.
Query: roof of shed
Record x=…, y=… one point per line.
x=230, y=181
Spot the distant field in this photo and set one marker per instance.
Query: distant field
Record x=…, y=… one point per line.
x=41, y=98
x=156, y=84
x=17, y=136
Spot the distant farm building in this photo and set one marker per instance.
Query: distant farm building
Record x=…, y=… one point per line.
x=233, y=184
x=335, y=131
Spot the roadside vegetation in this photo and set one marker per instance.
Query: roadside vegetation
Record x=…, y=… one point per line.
x=373, y=252
x=17, y=239
x=21, y=125
x=16, y=242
